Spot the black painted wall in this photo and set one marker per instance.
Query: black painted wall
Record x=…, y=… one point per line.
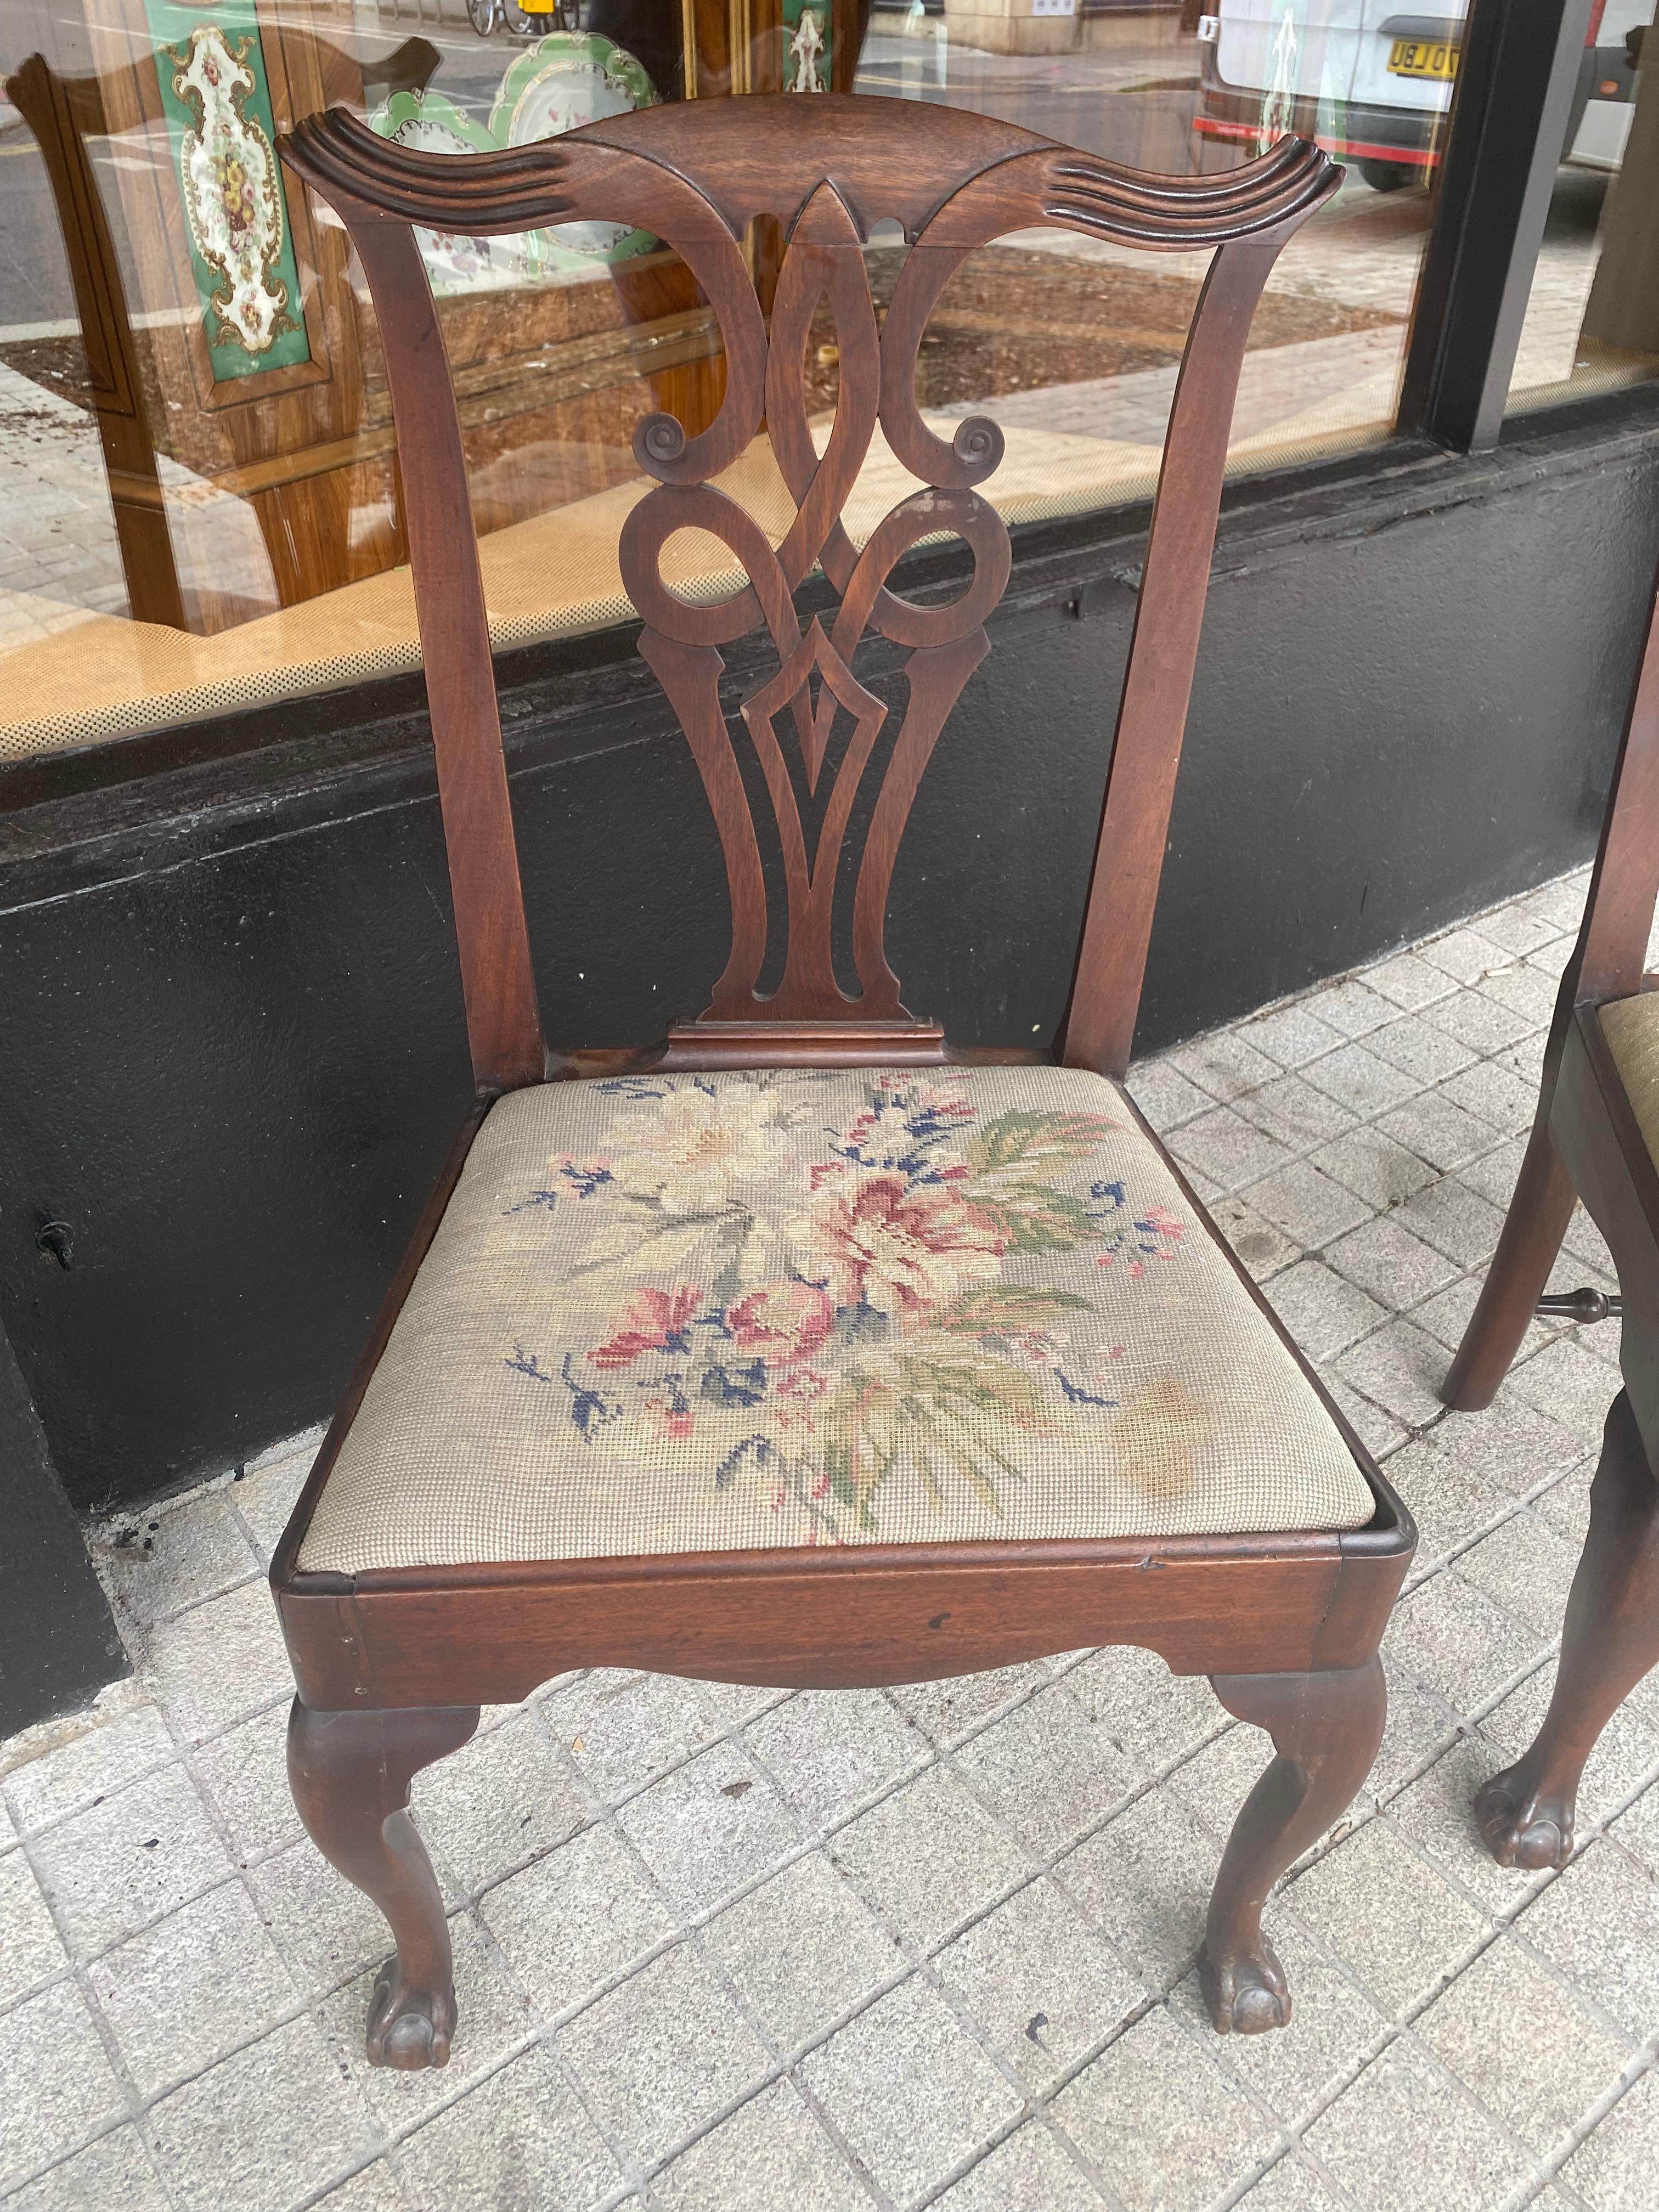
x=58, y=1642
x=231, y=1050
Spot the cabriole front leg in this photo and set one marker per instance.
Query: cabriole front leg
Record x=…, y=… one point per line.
x=350, y=1775
x=1325, y=1728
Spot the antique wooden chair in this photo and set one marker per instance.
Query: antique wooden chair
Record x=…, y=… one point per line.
x=1596, y=1136
x=797, y=1349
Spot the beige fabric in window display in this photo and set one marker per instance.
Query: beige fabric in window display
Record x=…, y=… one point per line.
x=85, y=678
x=697, y=1313
x=1623, y=308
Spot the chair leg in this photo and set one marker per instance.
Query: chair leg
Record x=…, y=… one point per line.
x=350, y=1774
x=1325, y=1728
x=1609, y=1641
x=1531, y=1236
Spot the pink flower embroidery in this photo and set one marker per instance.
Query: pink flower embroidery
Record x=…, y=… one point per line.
x=651, y=1320
x=1073, y=1136
x=1036, y=1348
x=888, y=1245
x=1151, y=1236
x=782, y=1322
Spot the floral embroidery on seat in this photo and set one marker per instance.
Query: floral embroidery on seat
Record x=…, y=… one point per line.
x=809, y=1310
x=568, y=1178
x=1154, y=1235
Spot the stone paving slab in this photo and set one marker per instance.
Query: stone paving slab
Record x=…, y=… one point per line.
x=723, y=1950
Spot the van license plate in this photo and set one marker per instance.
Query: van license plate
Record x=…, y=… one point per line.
x=1422, y=58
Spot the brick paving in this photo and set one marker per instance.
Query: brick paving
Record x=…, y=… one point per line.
x=726, y=1950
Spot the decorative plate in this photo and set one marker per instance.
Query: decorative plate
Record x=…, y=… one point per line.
x=568, y=79
x=563, y=81
x=432, y=124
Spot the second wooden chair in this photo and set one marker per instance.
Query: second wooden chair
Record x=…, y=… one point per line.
x=1596, y=1136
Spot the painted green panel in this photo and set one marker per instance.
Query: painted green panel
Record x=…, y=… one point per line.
x=808, y=29
x=211, y=67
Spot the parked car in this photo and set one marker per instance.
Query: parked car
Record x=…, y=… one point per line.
x=1375, y=84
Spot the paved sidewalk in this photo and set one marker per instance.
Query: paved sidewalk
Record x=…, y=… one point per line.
x=722, y=1950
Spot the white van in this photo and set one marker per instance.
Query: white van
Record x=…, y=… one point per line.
x=1373, y=82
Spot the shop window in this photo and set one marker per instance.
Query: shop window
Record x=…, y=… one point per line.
x=201, y=503
x=1592, y=321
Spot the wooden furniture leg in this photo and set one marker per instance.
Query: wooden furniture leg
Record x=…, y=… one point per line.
x=1325, y=1728
x=1609, y=1642
x=1532, y=1229
x=350, y=1774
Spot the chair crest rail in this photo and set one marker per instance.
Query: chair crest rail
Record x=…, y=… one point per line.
x=768, y=159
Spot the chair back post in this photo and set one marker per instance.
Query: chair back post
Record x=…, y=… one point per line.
x=1613, y=942
x=58, y=110
x=1158, y=683
x=502, y=1026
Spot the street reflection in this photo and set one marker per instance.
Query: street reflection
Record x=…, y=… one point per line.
x=198, y=495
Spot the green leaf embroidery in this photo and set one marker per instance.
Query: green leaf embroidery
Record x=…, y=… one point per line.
x=998, y=1306
x=943, y=1417
x=1018, y=1137
x=1008, y=1139
x=1035, y=1218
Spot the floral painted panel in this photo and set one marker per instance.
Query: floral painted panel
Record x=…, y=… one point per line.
x=673, y=1313
x=808, y=34
x=210, y=65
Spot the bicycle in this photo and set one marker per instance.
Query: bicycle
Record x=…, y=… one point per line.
x=519, y=22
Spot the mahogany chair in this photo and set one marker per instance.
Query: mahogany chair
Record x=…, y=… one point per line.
x=1596, y=1136
x=797, y=1348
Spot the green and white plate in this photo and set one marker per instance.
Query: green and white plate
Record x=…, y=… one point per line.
x=563, y=81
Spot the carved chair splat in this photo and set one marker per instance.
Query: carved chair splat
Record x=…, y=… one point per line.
x=397, y=1631
x=1595, y=1136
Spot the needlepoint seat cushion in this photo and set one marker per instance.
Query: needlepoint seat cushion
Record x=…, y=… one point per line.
x=700, y=1313
x=1631, y=1027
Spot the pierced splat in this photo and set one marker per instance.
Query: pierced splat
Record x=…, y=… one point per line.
x=823, y=265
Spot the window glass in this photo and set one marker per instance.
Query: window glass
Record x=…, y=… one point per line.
x=1072, y=339
x=201, y=501
x=1592, y=322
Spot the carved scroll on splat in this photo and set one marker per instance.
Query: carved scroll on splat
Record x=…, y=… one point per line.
x=694, y=174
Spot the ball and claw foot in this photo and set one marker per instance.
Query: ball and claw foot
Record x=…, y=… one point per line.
x=407, y=2028
x=1246, y=1993
x=1522, y=1826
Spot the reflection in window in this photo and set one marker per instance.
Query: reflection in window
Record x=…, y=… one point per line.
x=1592, y=321
x=201, y=498
x=1074, y=342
